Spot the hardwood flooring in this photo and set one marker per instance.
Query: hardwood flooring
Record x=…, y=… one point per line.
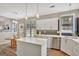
x=7, y=51
x=53, y=52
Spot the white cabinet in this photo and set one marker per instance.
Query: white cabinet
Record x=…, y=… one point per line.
x=70, y=47
x=63, y=44
x=47, y=24
x=75, y=49
x=67, y=45
x=49, y=43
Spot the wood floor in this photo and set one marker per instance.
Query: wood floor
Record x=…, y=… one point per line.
x=7, y=51
x=53, y=52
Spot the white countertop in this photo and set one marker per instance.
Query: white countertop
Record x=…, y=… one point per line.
x=50, y=35
x=24, y=50
x=76, y=39
x=33, y=40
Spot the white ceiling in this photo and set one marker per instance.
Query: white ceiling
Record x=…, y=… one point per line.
x=18, y=10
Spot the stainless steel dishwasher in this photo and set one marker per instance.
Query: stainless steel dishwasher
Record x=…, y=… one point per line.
x=56, y=42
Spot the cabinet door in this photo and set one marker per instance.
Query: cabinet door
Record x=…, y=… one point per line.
x=72, y=48
x=49, y=43
x=63, y=44
x=54, y=24
x=69, y=46
x=75, y=49
x=66, y=46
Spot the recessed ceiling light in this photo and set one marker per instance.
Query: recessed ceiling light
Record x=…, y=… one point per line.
x=52, y=6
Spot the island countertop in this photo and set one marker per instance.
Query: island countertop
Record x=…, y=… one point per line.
x=33, y=40
x=31, y=46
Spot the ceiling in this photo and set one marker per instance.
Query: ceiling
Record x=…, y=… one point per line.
x=18, y=10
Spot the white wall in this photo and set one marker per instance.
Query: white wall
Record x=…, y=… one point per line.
x=6, y=34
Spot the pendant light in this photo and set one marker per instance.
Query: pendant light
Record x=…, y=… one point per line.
x=37, y=8
x=26, y=17
x=70, y=5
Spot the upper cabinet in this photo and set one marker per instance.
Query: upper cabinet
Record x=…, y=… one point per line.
x=47, y=24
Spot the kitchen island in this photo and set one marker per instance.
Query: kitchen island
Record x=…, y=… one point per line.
x=31, y=46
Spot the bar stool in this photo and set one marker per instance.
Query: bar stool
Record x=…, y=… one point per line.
x=13, y=42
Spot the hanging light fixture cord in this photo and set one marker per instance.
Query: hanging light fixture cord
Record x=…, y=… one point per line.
x=37, y=8
x=70, y=7
x=26, y=12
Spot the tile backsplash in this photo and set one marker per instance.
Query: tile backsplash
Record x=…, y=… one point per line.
x=48, y=32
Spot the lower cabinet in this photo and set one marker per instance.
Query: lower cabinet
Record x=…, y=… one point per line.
x=76, y=49
x=70, y=47
x=49, y=42
x=63, y=44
